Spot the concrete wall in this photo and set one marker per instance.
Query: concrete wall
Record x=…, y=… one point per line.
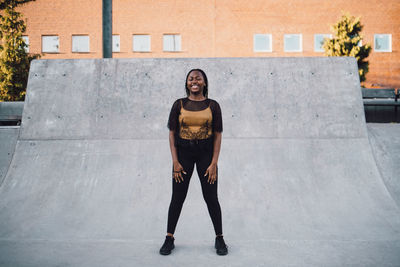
x=278, y=98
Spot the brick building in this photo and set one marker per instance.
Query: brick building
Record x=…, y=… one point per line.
x=213, y=28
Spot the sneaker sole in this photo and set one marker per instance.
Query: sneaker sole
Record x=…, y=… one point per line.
x=167, y=252
x=222, y=253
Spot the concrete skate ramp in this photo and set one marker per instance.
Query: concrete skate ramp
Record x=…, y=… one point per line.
x=385, y=142
x=90, y=181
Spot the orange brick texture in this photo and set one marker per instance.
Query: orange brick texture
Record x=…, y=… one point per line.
x=216, y=28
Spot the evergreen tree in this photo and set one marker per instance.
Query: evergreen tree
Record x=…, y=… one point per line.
x=14, y=60
x=346, y=42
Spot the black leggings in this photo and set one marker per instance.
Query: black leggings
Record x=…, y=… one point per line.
x=188, y=156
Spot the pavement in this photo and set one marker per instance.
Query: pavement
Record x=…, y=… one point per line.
x=301, y=182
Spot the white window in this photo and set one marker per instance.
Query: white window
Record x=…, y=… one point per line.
x=319, y=41
x=141, y=43
x=293, y=43
x=80, y=44
x=262, y=43
x=172, y=42
x=26, y=40
x=383, y=43
x=50, y=44
x=116, y=43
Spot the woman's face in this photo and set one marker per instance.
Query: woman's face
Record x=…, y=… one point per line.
x=195, y=83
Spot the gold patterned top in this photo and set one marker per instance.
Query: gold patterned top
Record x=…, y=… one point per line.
x=192, y=120
x=195, y=124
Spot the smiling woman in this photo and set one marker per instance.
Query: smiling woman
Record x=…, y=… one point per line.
x=195, y=125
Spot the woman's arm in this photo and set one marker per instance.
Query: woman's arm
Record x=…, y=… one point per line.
x=178, y=169
x=172, y=146
x=212, y=169
x=217, y=147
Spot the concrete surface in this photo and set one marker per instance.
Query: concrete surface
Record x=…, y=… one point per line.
x=89, y=183
x=385, y=143
x=8, y=140
x=8, y=134
x=11, y=110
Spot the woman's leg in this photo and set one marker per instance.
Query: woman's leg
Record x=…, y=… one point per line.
x=210, y=191
x=179, y=190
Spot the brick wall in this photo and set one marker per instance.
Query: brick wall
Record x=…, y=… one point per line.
x=64, y=18
x=215, y=28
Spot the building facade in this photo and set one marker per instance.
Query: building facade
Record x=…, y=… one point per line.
x=213, y=28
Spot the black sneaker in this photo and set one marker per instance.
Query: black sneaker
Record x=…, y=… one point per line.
x=220, y=246
x=167, y=246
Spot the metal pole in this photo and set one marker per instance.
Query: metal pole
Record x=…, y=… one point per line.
x=107, y=28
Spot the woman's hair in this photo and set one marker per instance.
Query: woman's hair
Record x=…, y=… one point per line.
x=205, y=89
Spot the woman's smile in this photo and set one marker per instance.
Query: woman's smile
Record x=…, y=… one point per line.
x=195, y=87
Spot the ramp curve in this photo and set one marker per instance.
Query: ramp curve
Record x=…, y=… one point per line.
x=385, y=143
x=90, y=178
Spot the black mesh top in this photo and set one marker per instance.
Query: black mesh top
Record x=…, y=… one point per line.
x=173, y=121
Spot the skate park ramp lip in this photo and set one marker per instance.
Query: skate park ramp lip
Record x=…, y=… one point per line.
x=90, y=180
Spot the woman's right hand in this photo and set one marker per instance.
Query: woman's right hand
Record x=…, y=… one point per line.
x=177, y=173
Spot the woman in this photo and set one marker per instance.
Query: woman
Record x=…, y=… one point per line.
x=195, y=125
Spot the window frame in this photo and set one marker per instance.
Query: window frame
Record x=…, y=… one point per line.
x=72, y=43
x=390, y=43
x=57, y=46
x=301, y=43
x=325, y=35
x=174, y=44
x=26, y=40
x=269, y=41
x=118, y=43
x=133, y=43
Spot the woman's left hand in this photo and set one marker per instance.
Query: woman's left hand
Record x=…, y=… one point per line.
x=212, y=173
